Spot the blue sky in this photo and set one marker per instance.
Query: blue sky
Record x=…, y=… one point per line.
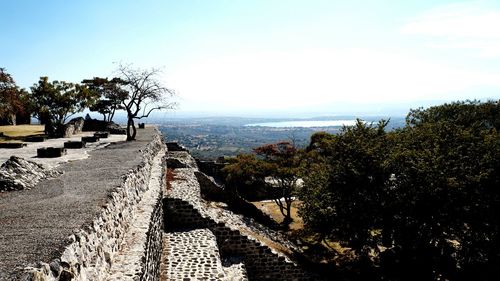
x=238, y=57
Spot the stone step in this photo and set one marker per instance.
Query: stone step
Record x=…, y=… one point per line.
x=191, y=255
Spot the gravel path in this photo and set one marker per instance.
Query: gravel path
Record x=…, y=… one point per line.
x=35, y=224
x=29, y=151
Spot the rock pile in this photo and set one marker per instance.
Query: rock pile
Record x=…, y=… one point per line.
x=18, y=173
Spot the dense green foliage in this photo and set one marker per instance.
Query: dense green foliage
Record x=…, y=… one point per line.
x=54, y=102
x=422, y=202
x=110, y=95
x=276, y=167
x=13, y=100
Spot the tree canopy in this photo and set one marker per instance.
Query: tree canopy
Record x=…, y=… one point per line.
x=12, y=99
x=276, y=167
x=54, y=102
x=421, y=201
x=110, y=95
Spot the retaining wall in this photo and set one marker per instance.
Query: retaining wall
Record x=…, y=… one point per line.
x=125, y=217
x=184, y=210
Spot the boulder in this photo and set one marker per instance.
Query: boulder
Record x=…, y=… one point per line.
x=74, y=126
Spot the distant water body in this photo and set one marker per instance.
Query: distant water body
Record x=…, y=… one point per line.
x=325, y=123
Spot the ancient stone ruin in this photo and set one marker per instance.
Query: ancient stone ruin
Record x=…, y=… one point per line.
x=18, y=174
x=137, y=222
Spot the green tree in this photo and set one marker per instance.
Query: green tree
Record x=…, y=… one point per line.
x=54, y=102
x=421, y=202
x=344, y=189
x=110, y=94
x=274, y=166
x=12, y=99
x=281, y=163
x=244, y=171
x=444, y=210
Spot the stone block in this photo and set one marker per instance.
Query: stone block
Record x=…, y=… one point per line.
x=102, y=135
x=90, y=139
x=74, y=144
x=40, y=138
x=12, y=144
x=51, y=152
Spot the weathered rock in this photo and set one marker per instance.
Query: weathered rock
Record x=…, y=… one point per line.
x=74, y=126
x=123, y=241
x=115, y=129
x=173, y=146
x=258, y=250
x=210, y=190
x=18, y=173
x=180, y=159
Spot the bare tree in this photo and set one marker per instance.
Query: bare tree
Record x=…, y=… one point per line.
x=145, y=94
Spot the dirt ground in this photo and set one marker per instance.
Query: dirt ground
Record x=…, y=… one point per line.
x=270, y=208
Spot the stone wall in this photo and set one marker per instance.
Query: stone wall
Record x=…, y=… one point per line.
x=130, y=222
x=185, y=210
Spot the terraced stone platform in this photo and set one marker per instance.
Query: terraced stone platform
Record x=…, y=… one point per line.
x=201, y=240
x=38, y=224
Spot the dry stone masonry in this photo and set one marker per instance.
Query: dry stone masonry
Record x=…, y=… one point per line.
x=124, y=241
x=191, y=255
x=149, y=230
x=18, y=173
x=244, y=256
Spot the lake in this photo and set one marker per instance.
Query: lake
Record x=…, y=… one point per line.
x=324, y=123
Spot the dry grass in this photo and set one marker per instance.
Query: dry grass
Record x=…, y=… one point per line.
x=324, y=251
x=271, y=209
x=18, y=132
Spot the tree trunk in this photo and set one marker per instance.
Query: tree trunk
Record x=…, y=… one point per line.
x=131, y=130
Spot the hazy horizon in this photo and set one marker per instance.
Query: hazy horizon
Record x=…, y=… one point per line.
x=267, y=57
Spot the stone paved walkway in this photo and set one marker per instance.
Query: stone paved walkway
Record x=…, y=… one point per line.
x=191, y=255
